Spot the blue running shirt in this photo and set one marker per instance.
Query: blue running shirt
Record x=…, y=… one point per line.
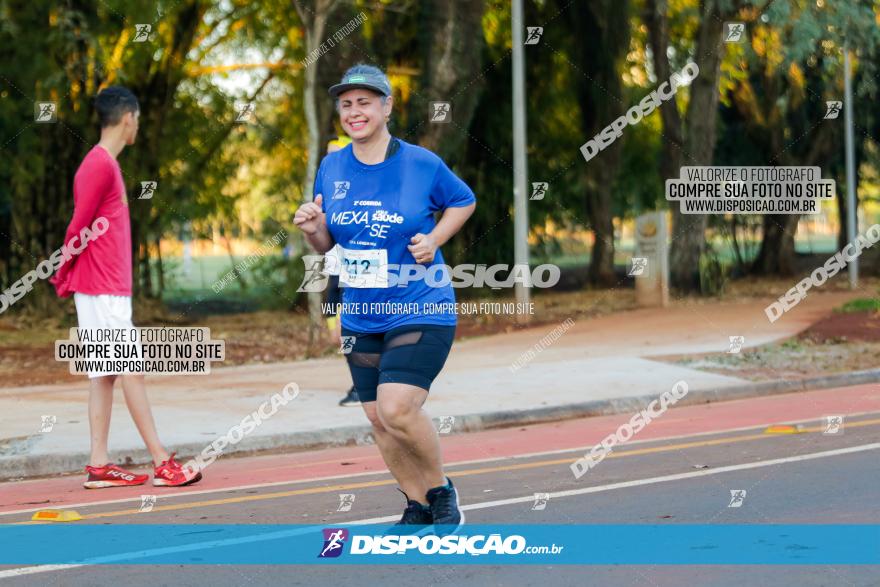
x=373, y=211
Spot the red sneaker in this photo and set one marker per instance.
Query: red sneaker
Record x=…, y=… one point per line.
x=112, y=476
x=172, y=474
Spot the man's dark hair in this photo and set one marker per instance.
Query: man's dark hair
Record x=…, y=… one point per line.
x=112, y=103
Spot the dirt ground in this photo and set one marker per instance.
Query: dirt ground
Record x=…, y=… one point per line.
x=27, y=347
x=849, y=327
x=842, y=342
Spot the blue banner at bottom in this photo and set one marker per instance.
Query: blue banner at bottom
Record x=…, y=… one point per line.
x=230, y=544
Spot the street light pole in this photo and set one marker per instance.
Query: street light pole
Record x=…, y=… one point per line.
x=520, y=172
x=851, y=217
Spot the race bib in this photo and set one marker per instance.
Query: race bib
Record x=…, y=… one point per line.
x=332, y=261
x=364, y=268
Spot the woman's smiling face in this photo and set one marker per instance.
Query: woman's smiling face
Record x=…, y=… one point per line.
x=362, y=112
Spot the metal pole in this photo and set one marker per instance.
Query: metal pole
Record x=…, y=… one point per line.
x=520, y=203
x=851, y=222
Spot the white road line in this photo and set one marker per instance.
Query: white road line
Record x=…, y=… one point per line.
x=678, y=476
x=34, y=570
x=17, y=572
x=136, y=500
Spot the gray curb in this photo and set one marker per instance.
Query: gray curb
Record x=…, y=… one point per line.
x=20, y=466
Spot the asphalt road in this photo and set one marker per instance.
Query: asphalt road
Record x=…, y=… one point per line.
x=681, y=469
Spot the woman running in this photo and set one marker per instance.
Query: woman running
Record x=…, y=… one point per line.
x=377, y=198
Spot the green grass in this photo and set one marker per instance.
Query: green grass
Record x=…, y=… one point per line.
x=207, y=270
x=204, y=272
x=861, y=305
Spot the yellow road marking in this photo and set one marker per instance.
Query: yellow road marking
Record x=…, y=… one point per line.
x=463, y=473
x=353, y=460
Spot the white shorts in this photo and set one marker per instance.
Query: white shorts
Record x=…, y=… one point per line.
x=103, y=311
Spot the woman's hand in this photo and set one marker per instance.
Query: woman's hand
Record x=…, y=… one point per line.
x=423, y=248
x=309, y=217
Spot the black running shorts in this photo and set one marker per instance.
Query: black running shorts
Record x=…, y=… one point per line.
x=413, y=354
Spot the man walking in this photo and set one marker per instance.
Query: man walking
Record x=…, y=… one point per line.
x=100, y=279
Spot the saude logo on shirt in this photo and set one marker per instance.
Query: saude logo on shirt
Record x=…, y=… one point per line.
x=378, y=226
x=384, y=216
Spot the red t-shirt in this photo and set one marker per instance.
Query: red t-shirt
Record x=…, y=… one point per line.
x=104, y=266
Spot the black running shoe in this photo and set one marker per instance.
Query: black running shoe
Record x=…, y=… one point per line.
x=417, y=516
x=351, y=399
x=445, y=508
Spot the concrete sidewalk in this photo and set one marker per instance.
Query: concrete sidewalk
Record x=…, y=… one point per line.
x=598, y=366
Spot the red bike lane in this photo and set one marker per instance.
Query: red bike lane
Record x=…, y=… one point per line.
x=517, y=441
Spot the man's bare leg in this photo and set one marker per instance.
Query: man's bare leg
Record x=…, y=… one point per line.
x=100, y=409
x=139, y=407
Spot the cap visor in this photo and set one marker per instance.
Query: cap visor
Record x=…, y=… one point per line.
x=338, y=89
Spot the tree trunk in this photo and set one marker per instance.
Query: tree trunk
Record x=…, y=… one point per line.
x=658, y=31
x=599, y=210
x=777, y=253
x=452, y=46
x=841, y=213
x=699, y=127
x=689, y=231
x=601, y=37
x=314, y=22
x=776, y=256
x=160, y=268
